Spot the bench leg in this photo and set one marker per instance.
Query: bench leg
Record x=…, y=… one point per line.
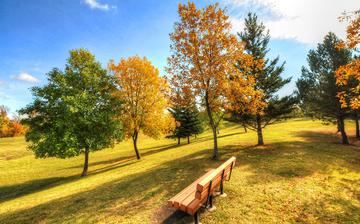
x=196, y=218
x=222, y=194
x=211, y=207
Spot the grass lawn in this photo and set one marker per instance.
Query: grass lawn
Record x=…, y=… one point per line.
x=302, y=175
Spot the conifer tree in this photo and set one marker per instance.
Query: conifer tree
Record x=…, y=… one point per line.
x=317, y=89
x=188, y=123
x=268, y=79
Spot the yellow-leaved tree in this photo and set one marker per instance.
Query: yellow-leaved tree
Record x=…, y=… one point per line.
x=349, y=75
x=143, y=94
x=203, y=54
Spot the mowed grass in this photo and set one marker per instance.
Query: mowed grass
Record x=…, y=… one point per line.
x=302, y=175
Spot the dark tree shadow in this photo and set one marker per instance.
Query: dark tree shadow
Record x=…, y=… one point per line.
x=17, y=190
x=10, y=192
x=122, y=197
x=119, y=160
x=125, y=196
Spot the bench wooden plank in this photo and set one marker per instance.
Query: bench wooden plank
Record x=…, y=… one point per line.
x=175, y=201
x=215, y=184
x=204, y=183
x=194, y=206
x=185, y=203
x=193, y=196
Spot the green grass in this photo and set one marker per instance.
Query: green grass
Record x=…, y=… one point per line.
x=302, y=175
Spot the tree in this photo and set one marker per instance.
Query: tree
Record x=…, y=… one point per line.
x=9, y=127
x=75, y=112
x=349, y=74
x=4, y=121
x=204, y=52
x=188, y=123
x=317, y=89
x=144, y=97
x=268, y=80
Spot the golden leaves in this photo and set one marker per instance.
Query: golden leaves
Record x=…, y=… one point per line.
x=204, y=55
x=350, y=71
x=144, y=96
x=242, y=95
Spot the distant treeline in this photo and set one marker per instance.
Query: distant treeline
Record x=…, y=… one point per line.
x=9, y=127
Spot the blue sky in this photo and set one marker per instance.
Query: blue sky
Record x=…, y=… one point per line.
x=37, y=35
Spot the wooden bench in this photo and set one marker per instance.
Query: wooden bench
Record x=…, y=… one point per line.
x=200, y=193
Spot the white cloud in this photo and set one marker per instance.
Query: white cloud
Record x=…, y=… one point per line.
x=24, y=76
x=306, y=21
x=94, y=4
x=4, y=96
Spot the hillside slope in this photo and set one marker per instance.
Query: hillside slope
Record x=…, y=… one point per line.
x=302, y=175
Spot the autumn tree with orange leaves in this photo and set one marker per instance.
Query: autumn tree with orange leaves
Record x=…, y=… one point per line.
x=204, y=54
x=9, y=127
x=143, y=94
x=349, y=74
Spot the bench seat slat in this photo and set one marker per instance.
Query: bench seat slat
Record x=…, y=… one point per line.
x=193, y=196
x=204, y=183
x=215, y=184
x=177, y=200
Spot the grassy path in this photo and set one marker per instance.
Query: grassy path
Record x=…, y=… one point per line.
x=301, y=175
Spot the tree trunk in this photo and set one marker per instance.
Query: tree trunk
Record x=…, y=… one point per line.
x=338, y=126
x=245, y=129
x=134, y=137
x=215, y=151
x=188, y=138
x=259, y=130
x=213, y=127
x=178, y=141
x=345, y=139
x=86, y=162
x=357, y=127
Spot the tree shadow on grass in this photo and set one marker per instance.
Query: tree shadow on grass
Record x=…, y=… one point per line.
x=294, y=159
x=128, y=197
x=17, y=190
x=121, y=198
x=167, y=146
x=329, y=209
x=326, y=136
x=123, y=159
x=10, y=192
x=117, y=160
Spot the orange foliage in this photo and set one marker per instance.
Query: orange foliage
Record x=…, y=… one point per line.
x=9, y=128
x=241, y=94
x=202, y=64
x=143, y=94
x=204, y=54
x=350, y=71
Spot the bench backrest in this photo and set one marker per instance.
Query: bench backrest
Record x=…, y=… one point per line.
x=203, y=188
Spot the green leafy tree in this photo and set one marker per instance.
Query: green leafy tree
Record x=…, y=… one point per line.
x=268, y=79
x=75, y=112
x=317, y=89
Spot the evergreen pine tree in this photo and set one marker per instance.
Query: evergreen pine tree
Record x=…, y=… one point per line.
x=317, y=89
x=268, y=79
x=188, y=123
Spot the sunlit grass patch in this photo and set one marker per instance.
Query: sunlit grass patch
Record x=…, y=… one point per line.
x=295, y=177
